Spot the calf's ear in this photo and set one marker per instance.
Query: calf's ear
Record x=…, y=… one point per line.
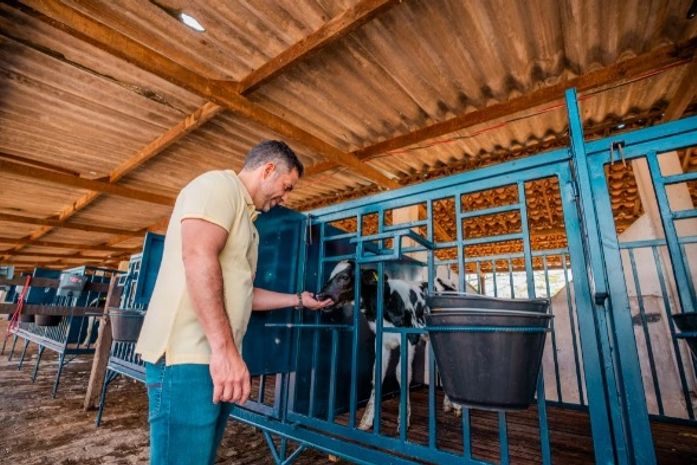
x=369, y=277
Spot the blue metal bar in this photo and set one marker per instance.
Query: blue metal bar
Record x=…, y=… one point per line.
x=671, y=327
x=557, y=377
x=466, y=433
x=409, y=225
x=480, y=286
x=379, y=320
x=684, y=214
x=489, y=211
x=645, y=330
x=503, y=439
x=403, y=387
x=315, y=317
x=572, y=326
x=504, y=173
x=510, y=278
x=493, y=276
x=460, y=247
x=652, y=242
x=432, y=431
x=353, y=438
x=332, y=376
x=678, y=178
x=490, y=239
x=310, y=326
x=686, y=292
x=353, y=397
x=598, y=403
x=661, y=138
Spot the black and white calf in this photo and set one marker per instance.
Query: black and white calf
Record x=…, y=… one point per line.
x=404, y=305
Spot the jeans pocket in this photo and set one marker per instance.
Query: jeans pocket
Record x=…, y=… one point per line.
x=155, y=380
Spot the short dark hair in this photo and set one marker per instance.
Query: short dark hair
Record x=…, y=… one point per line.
x=273, y=151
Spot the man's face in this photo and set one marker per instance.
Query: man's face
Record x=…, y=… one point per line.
x=277, y=183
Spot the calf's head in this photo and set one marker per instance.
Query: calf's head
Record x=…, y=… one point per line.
x=341, y=283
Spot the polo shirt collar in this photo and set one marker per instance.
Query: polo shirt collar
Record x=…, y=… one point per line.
x=251, y=209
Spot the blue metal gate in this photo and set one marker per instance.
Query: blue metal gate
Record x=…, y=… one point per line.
x=318, y=404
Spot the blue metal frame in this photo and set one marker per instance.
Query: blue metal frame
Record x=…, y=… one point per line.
x=612, y=385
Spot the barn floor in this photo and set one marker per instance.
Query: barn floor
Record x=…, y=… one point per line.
x=38, y=430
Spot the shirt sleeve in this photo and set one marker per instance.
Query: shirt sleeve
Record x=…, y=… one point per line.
x=212, y=198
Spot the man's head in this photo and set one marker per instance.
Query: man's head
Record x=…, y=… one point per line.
x=271, y=170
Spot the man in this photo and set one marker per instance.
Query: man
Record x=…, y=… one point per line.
x=192, y=334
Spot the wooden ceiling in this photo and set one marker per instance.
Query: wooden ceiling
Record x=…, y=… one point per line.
x=107, y=108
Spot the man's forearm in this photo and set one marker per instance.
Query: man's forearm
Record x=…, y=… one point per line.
x=205, y=284
x=271, y=300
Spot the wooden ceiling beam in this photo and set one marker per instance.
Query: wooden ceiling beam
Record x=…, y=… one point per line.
x=686, y=91
x=644, y=65
x=30, y=162
x=224, y=93
x=56, y=223
x=330, y=32
x=66, y=245
x=82, y=183
x=25, y=253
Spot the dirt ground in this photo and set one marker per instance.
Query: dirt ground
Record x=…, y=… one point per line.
x=36, y=429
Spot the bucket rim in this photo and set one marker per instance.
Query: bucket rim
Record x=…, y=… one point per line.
x=487, y=312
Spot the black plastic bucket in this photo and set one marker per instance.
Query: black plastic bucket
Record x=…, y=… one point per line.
x=450, y=301
x=48, y=320
x=491, y=369
x=24, y=318
x=125, y=324
x=687, y=322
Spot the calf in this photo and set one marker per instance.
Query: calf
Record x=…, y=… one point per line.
x=404, y=305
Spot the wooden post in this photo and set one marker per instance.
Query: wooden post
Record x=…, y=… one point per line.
x=102, y=347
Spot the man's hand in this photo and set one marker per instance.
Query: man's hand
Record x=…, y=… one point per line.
x=311, y=303
x=231, y=381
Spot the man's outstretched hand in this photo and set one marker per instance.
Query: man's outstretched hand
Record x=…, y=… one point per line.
x=311, y=303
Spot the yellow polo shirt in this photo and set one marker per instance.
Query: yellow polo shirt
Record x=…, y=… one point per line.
x=171, y=327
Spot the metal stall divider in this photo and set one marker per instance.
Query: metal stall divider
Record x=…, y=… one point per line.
x=324, y=395
x=70, y=335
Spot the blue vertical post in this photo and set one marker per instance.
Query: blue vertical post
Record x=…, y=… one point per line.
x=631, y=430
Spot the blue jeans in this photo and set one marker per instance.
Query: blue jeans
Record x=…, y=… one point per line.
x=186, y=427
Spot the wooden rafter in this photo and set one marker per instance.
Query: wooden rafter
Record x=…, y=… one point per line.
x=157, y=146
x=331, y=31
x=225, y=93
x=657, y=60
x=56, y=223
x=82, y=183
x=66, y=245
x=30, y=162
x=684, y=93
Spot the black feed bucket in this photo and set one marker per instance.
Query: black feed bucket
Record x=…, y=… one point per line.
x=687, y=324
x=488, y=350
x=125, y=324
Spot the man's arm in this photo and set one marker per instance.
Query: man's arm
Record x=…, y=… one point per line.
x=202, y=242
x=271, y=300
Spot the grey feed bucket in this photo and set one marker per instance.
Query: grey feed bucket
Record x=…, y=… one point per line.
x=125, y=324
x=488, y=350
x=687, y=324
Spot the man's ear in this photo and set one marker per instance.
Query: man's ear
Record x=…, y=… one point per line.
x=269, y=168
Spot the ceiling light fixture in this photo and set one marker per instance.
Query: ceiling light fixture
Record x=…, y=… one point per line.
x=191, y=22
